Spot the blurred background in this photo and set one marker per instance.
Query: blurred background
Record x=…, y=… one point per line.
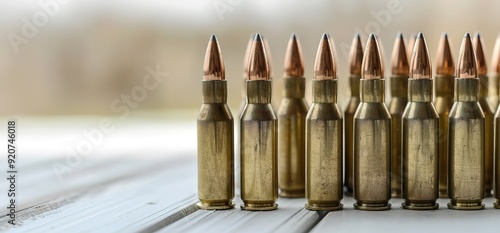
x=81, y=57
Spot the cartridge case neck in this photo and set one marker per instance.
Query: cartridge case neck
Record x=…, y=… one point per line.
x=420, y=90
x=399, y=86
x=295, y=87
x=483, y=86
x=259, y=91
x=372, y=90
x=214, y=92
x=354, y=84
x=467, y=89
x=444, y=85
x=324, y=91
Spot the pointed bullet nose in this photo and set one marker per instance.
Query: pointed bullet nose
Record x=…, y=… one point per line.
x=466, y=64
x=399, y=59
x=294, y=65
x=495, y=60
x=324, y=67
x=371, y=67
x=213, y=67
x=356, y=55
x=420, y=65
x=258, y=66
x=477, y=42
x=444, y=59
x=247, y=54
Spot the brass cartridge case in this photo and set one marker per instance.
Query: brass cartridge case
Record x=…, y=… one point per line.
x=259, y=176
x=443, y=102
x=489, y=134
x=372, y=148
x=349, y=132
x=466, y=135
x=291, y=138
x=399, y=99
x=324, y=148
x=215, y=148
x=420, y=148
x=497, y=160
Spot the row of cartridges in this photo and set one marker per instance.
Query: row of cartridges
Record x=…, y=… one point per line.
x=436, y=138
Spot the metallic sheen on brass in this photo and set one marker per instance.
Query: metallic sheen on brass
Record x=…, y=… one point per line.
x=466, y=147
x=355, y=60
x=484, y=101
x=215, y=148
x=443, y=87
x=291, y=138
x=292, y=113
x=372, y=148
x=420, y=148
x=324, y=148
x=259, y=177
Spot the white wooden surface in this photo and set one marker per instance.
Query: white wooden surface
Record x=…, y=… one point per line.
x=143, y=179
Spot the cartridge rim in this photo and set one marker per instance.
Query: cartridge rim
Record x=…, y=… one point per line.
x=454, y=205
x=324, y=207
x=259, y=207
x=372, y=206
x=420, y=206
x=225, y=205
x=496, y=205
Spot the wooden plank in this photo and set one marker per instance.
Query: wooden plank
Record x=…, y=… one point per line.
x=144, y=201
x=400, y=220
x=290, y=217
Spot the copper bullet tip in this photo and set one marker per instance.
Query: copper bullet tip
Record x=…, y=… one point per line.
x=258, y=66
x=247, y=54
x=324, y=66
x=372, y=62
x=213, y=67
x=466, y=66
x=294, y=65
x=410, y=45
x=444, y=59
x=421, y=67
x=356, y=55
x=482, y=69
x=495, y=61
x=399, y=60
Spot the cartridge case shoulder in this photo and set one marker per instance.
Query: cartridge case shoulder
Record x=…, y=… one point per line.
x=324, y=112
x=258, y=112
x=291, y=107
x=215, y=112
x=372, y=111
x=466, y=111
x=420, y=111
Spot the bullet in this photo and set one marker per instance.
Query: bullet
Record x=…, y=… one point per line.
x=399, y=94
x=355, y=60
x=258, y=133
x=410, y=45
x=291, y=125
x=420, y=135
x=443, y=84
x=245, y=72
x=324, y=135
x=482, y=73
x=495, y=78
x=215, y=136
x=466, y=135
x=372, y=135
